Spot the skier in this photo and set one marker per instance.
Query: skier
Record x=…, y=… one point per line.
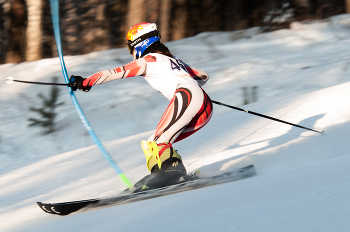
x=189, y=110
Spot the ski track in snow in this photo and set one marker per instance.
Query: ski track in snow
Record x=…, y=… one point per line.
x=303, y=76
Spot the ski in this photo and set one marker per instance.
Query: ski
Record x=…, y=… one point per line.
x=189, y=183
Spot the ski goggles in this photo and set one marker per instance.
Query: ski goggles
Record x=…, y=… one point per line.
x=132, y=44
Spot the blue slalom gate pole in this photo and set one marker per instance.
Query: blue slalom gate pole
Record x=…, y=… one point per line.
x=56, y=27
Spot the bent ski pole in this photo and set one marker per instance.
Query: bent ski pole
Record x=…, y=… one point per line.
x=9, y=80
x=265, y=116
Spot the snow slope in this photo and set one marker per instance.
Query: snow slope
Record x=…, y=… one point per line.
x=302, y=76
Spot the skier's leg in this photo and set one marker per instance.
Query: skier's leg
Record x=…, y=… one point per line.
x=189, y=110
x=199, y=120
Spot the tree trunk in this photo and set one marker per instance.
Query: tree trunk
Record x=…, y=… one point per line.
x=164, y=23
x=16, y=32
x=101, y=27
x=5, y=18
x=179, y=20
x=93, y=34
x=115, y=13
x=152, y=11
x=135, y=12
x=71, y=28
x=34, y=30
x=347, y=6
x=210, y=15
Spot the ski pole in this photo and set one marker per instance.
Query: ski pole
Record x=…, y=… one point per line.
x=265, y=116
x=10, y=80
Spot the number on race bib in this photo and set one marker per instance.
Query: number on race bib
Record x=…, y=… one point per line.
x=174, y=65
x=178, y=65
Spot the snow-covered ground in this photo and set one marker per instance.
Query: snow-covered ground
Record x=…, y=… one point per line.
x=303, y=76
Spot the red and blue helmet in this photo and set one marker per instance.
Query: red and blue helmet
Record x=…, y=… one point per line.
x=140, y=37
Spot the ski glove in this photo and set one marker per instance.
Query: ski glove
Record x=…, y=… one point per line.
x=76, y=82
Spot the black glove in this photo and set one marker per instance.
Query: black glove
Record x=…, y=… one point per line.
x=76, y=82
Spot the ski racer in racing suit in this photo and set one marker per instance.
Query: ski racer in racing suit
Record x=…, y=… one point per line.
x=189, y=110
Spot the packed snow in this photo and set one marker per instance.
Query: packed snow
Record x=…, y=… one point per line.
x=302, y=75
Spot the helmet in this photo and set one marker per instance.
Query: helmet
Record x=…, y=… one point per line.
x=140, y=37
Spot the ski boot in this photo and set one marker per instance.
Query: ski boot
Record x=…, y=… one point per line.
x=164, y=163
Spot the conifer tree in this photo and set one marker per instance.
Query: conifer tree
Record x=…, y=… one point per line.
x=47, y=111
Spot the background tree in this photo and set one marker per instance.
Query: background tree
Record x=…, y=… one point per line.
x=26, y=32
x=347, y=6
x=13, y=31
x=34, y=31
x=164, y=19
x=5, y=25
x=47, y=111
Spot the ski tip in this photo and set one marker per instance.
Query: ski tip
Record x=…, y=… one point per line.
x=45, y=207
x=66, y=208
x=48, y=208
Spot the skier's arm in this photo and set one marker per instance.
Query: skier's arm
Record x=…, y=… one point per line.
x=199, y=75
x=135, y=68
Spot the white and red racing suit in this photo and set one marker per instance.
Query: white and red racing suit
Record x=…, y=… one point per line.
x=190, y=107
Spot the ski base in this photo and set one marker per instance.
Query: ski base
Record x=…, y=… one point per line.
x=66, y=208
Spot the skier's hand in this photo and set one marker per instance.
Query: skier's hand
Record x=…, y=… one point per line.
x=76, y=82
